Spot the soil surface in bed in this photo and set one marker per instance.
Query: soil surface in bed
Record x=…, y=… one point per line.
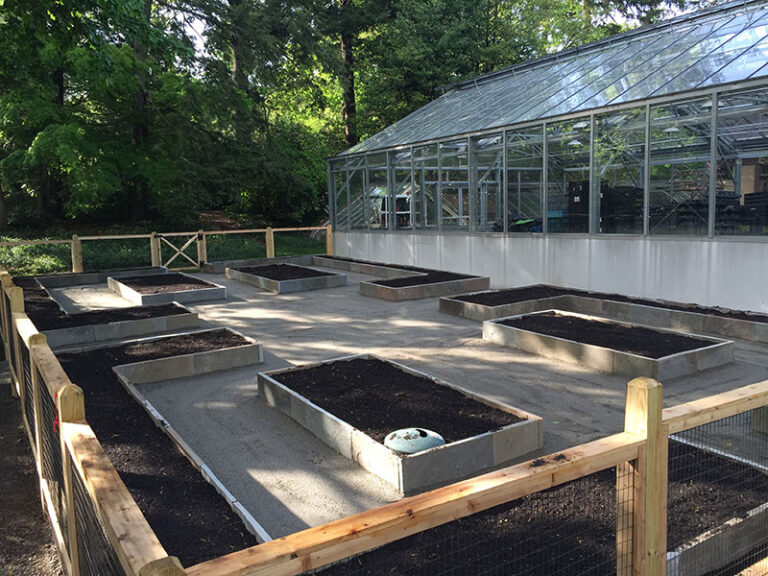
x=164, y=283
x=282, y=272
x=46, y=314
x=538, y=292
x=192, y=521
x=633, y=339
x=377, y=398
x=569, y=529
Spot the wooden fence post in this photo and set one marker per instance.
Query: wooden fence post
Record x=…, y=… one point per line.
x=77, y=254
x=643, y=417
x=202, y=248
x=154, y=250
x=70, y=407
x=270, y=237
x=329, y=240
x=169, y=566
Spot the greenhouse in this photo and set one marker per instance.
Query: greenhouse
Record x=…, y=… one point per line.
x=636, y=164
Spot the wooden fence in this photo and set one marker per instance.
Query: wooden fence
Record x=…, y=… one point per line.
x=99, y=529
x=178, y=243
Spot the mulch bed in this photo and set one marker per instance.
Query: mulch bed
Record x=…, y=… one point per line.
x=377, y=398
x=283, y=272
x=46, y=314
x=526, y=293
x=190, y=518
x=569, y=529
x=164, y=283
x=635, y=339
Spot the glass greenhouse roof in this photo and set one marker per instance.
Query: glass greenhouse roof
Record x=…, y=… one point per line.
x=706, y=49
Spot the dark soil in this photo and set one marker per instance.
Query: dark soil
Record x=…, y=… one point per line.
x=635, y=340
x=26, y=541
x=569, y=529
x=376, y=397
x=283, y=272
x=189, y=517
x=46, y=314
x=432, y=277
x=164, y=283
x=526, y=293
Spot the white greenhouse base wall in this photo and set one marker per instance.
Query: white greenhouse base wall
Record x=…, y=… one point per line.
x=728, y=273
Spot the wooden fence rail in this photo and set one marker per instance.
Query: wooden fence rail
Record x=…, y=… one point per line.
x=67, y=454
x=156, y=240
x=83, y=471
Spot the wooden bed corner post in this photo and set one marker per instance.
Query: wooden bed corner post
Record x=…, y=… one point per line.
x=329, y=240
x=154, y=250
x=643, y=417
x=169, y=566
x=77, y=254
x=202, y=248
x=70, y=407
x=270, y=241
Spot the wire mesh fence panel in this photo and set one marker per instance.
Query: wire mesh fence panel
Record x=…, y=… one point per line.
x=571, y=529
x=115, y=254
x=26, y=381
x=222, y=247
x=718, y=496
x=50, y=448
x=95, y=553
x=299, y=243
x=9, y=330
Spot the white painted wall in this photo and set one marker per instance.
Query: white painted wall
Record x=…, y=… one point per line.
x=728, y=273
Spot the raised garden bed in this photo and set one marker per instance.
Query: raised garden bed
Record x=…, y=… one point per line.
x=353, y=403
x=491, y=304
x=284, y=278
x=64, y=329
x=189, y=517
x=165, y=288
x=405, y=282
x=609, y=346
x=571, y=528
x=221, y=266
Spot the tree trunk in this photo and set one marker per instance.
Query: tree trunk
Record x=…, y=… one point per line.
x=348, y=108
x=140, y=131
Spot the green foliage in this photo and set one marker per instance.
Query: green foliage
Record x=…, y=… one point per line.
x=111, y=254
x=38, y=259
x=147, y=110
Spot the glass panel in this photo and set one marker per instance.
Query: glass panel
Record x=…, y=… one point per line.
x=525, y=160
x=664, y=68
x=568, y=176
x=425, y=186
x=679, y=184
x=454, y=189
x=401, y=182
x=340, y=197
x=488, y=163
x=742, y=67
x=359, y=211
x=619, y=163
x=615, y=65
x=716, y=59
x=377, y=191
x=742, y=163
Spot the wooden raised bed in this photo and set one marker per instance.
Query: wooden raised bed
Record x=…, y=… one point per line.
x=352, y=403
x=491, y=304
x=166, y=288
x=609, y=346
x=284, y=278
